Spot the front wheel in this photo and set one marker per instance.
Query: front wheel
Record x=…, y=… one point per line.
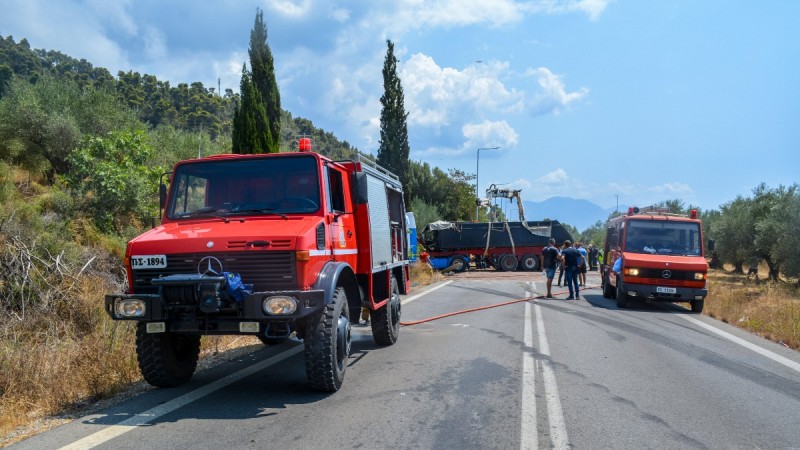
x=386, y=319
x=166, y=359
x=622, y=297
x=327, y=344
x=609, y=291
x=697, y=306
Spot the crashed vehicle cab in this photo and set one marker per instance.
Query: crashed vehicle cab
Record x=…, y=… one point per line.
x=271, y=245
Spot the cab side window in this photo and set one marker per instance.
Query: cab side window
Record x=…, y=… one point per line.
x=335, y=190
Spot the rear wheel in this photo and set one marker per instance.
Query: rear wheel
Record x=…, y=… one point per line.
x=529, y=263
x=166, y=359
x=508, y=263
x=622, y=297
x=327, y=344
x=697, y=306
x=386, y=319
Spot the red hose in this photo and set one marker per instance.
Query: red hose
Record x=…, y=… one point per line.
x=480, y=308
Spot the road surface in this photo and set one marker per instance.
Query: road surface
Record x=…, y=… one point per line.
x=531, y=374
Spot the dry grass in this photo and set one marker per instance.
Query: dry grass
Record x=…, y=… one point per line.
x=50, y=366
x=422, y=275
x=769, y=309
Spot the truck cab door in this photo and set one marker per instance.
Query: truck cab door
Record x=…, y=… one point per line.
x=339, y=217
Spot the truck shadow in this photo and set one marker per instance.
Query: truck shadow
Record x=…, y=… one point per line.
x=265, y=393
x=636, y=304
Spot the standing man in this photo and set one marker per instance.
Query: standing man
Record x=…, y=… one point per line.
x=593, y=257
x=550, y=257
x=570, y=258
x=582, y=265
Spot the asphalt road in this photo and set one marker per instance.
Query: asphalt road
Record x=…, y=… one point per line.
x=532, y=374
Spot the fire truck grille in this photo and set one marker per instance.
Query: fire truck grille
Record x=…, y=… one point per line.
x=266, y=271
x=674, y=275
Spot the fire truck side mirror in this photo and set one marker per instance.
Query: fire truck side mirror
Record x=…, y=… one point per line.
x=360, y=180
x=162, y=195
x=711, y=245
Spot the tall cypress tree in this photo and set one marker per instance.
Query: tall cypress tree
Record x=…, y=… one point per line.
x=394, y=149
x=263, y=76
x=250, y=124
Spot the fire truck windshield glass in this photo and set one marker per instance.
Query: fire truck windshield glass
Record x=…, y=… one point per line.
x=663, y=237
x=281, y=185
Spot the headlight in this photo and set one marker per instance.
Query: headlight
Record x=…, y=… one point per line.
x=632, y=271
x=699, y=276
x=280, y=305
x=129, y=307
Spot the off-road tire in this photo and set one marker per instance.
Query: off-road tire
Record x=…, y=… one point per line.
x=386, y=319
x=166, y=359
x=326, y=361
x=508, y=262
x=529, y=263
x=622, y=297
x=697, y=306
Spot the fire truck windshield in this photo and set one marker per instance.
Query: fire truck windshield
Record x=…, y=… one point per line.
x=281, y=185
x=664, y=237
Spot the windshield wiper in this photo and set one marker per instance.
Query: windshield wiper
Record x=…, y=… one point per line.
x=260, y=211
x=208, y=211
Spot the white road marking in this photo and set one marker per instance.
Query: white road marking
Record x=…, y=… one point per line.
x=750, y=346
x=529, y=434
x=110, y=432
x=555, y=414
x=414, y=297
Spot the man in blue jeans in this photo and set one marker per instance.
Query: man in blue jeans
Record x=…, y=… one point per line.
x=550, y=258
x=570, y=258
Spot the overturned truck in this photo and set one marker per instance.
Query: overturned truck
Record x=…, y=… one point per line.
x=506, y=246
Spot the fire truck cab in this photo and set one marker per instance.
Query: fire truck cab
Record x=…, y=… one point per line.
x=661, y=258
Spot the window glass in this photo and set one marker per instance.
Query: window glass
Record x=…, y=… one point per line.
x=246, y=186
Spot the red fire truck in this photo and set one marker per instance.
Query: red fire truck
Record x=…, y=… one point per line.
x=272, y=245
x=662, y=258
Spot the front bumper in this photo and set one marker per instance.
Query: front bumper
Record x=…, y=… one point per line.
x=651, y=292
x=228, y=318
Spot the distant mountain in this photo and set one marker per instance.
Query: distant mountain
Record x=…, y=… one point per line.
x=576, y=212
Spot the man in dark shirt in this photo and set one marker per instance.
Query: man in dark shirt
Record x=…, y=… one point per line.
x=570, y=258
x=550, y=257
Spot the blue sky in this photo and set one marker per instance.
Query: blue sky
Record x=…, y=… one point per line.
x=641, y=99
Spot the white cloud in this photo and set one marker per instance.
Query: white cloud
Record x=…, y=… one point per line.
x=294, y=9
x=436, y=96
x=155, y=43
x=553, y=96
x=340, y=15
x=408, y=15
x=558, y=176
x=487, y=133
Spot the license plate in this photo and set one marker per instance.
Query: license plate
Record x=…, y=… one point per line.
x=149, y=262
x=666, y=290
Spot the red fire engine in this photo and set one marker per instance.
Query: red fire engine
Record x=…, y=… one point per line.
x=272, y=245
x=662, y=258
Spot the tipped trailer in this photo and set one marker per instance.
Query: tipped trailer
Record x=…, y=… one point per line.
x=506, y=246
